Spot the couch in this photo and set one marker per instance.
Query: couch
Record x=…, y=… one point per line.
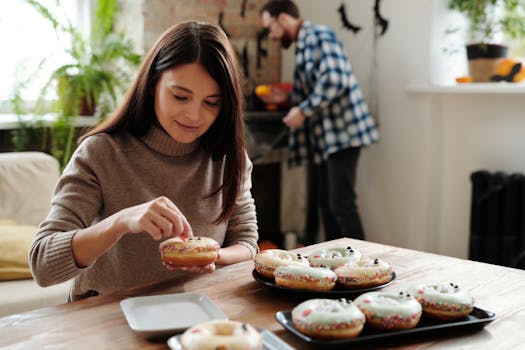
x=27, y=180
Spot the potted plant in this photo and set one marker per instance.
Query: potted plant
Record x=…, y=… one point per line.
x=489, y=20
x=99, y=67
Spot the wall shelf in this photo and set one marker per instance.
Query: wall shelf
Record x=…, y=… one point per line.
x=470, y=88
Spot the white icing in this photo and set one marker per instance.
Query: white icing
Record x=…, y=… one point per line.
x=328, y=311
x=307, y=271
x=444, y=293
x=277, y=257
x=333, y=256
x=385, y=304
x=231, y=335
x=364, y=269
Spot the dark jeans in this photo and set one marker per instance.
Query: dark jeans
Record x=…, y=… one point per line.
x=331, y=188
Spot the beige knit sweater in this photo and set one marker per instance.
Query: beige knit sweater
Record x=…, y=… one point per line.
x=108, y=173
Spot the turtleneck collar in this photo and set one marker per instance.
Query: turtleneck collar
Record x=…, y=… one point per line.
x=157, y=139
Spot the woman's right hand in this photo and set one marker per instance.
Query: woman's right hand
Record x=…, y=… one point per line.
x=160, y=218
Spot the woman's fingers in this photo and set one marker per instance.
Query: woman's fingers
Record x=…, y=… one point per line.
x=185, y=232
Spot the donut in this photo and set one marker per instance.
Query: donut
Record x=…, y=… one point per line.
x=333, y=257
x=194, y=251
x=389, y=311
x=364, y=273
x=444, y=301
x=305, y=277
x=328, y=318
x=268, y=260
x=221, y=334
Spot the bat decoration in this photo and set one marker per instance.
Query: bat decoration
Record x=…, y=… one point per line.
x=380, y=20
x=221, y=23
x=509, y=77
x=243, y=8
x=261, y=52
x=346, y=22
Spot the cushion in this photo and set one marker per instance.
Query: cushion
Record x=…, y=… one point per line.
x=28, y=180
x=15, y=241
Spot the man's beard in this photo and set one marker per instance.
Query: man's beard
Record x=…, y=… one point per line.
x=286, y=40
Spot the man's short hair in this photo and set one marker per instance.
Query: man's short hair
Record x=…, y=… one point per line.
x=275, y=7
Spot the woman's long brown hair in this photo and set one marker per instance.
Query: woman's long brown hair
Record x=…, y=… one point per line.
x=184, y=43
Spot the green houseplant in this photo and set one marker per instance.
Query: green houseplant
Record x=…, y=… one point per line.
x=99, y=67
x=489, y=21
x=100, y=64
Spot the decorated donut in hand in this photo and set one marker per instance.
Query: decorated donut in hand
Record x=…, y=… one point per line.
x=365, y=273
x=221, y=334
x=444, y=301
x=328, y=318
x=268, y=260
x=305, y=277
x=333, y=257
x=389, y=311
x=194, y=251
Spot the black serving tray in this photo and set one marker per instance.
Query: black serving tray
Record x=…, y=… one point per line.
x=337, y=292
x=477, y=319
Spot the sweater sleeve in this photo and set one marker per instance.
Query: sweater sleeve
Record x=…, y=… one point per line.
x=76, y=202
x=242, y=226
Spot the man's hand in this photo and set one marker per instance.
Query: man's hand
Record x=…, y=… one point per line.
x=295, y=118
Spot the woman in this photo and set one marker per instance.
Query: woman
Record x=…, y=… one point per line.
x=169, y=162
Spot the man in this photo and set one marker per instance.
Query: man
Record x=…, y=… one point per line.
x=329, y=121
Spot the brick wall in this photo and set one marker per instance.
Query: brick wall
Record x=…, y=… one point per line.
x=240, y=19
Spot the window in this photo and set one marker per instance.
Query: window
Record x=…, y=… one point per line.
x=28, y=40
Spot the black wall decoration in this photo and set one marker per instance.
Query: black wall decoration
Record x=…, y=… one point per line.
x=243, y=8
x=261, y=51
x=344, y=19
x=380, y=20
x=221, y=23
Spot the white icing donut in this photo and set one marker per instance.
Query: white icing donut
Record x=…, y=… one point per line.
x=444, y=301
x=364, y=273
x=305, y=277
x=194, y=251
x=333, y=256
x=389, y=311
x=221, y=334
x=328, y=318
x=268, y=260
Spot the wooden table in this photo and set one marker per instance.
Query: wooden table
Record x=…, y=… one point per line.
x=98, y=322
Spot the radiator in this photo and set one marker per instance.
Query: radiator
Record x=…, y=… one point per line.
x=497, y=222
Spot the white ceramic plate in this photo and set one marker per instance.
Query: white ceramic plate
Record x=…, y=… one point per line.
x=270, y=341
x=168, y=314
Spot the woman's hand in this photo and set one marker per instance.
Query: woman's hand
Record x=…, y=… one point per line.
x=160, y=218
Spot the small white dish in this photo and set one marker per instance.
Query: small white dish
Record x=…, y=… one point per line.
x=168, y=314
x=270, y=341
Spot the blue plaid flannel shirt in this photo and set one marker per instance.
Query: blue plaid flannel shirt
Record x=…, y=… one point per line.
x=326, y=90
